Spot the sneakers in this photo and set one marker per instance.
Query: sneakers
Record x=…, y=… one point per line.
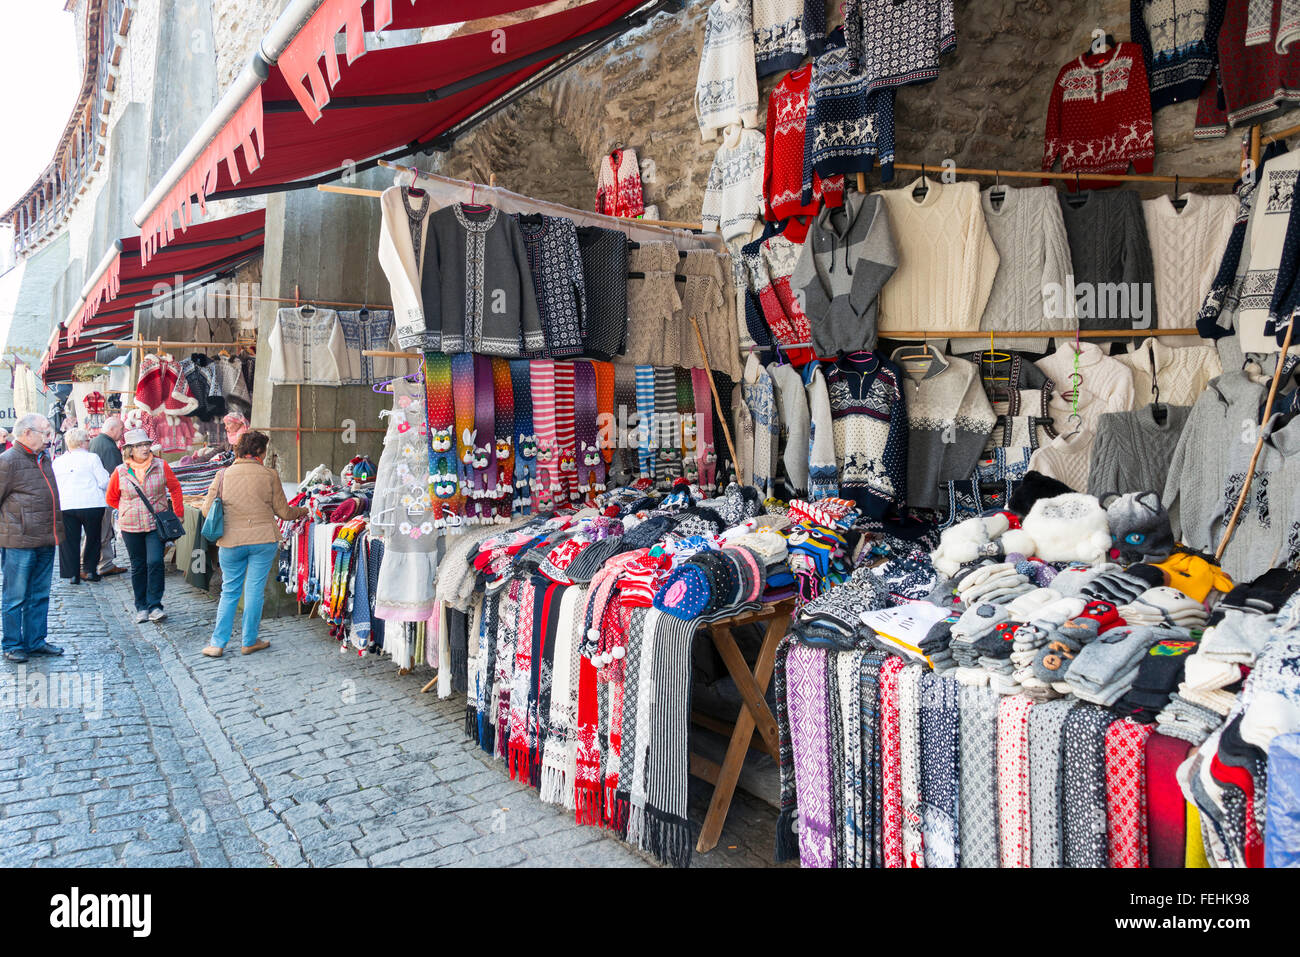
x=141, y=617
x=157, y=615
x=212, y=651
x=259, y=646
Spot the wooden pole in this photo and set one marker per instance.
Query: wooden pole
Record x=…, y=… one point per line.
x=1255, y=145
x=717, y=403
x=297, y=405
x=1259, y=442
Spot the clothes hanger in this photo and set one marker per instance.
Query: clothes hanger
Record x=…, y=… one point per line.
x=379, y=387
x=993, y=357
x=414, y=190
x=1179, y=202
x=999, y=192
x=921, y=188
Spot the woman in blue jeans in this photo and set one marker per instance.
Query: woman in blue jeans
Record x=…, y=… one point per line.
x=251, y=500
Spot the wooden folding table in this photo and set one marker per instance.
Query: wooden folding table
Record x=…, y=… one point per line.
x=755, y=715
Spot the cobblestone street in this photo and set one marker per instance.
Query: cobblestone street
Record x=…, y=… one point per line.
x=291, y=757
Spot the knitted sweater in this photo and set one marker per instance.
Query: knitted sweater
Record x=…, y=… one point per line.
x=1254, y=79
x=1264, y=250
x=618, y=185
x=1107, y=385
x=1099, y=116
x=846, y=259
x=781, y=305
x=733, y=197
x=869, y=418
x=1219, y=309
x=949, y=419
x=1224, y=417
x=726, y=87
x=792, y=402
x=555, y=262
x=1186, y=248
x=1065, y=458
x=307, y=347
x=779, y=42
x=760, y=398
x=1180, y=45
x=1033, y=254
x=1109, y=246
x=1181, y=374
x=787, y=118
x=896, y=43
x=946, y=259
x=823, y=473
x=848, y=128
x=1132, y=450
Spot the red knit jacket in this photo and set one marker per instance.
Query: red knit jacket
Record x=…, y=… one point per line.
x=618, y=186
x=787, y=116
x=1099, y=118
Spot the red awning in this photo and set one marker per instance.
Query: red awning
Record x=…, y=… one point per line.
x=108, y=310
x=311, y=116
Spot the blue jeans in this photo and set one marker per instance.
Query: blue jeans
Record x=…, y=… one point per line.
x=146, y=551
x=28, y=574
x=243, y=568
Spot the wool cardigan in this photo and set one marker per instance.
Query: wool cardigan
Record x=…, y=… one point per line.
x=1109, y=246
x=1033, y=254
x=1180, y=45
x=1254, y=79
x=792, y=403
x=726, y=87
x=845, y=261
x=403, y=233
x=555, y=262
x=733, y=195
x=946, y=259
x=1186, y=248
x=949, y=420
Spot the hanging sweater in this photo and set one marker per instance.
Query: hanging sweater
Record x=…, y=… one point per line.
x=848, y=128
x=1218, y=313
x=1065, y=458
x=760, y=398
x=307, y=348
x=1225, y=416
x=403, y=234
x=555, y=262
x=847, y=257
x=733, y=197
x=1254, y=79
x=1107, y=385
x=1114, y=277
x=946, y=259
x=618, y=185
x=1033, y=256
x=782, y=306
x=1180, y=45
x=787, y=118
x=1264, y=249
x=949, y=419
x=869, y=420
x=604, y=275
x=1181, y=374
x=779, y=42
x=1132, y=450
x=1099, y=116
x=898, y=42
x=726, y=87
x=1186, y=248
x=792, y=403
x=823, y=474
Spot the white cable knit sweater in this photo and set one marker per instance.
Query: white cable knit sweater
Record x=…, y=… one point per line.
x=733, y=198
x=726, y=87
x=1186, y=248
x=1182, y=374
x=946, y=260
x=1033, y=252
x=1066, y=458
x=1107, y=385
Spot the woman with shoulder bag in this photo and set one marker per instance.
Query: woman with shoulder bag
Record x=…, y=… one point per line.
x=245, y=500
x=147, y=496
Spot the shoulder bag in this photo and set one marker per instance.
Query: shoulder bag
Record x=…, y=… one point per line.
x=214, y=526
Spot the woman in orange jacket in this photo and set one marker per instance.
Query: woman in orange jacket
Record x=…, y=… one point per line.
x=143, y=476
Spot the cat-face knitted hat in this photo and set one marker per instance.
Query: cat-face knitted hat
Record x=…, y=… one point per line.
x=1139, y=527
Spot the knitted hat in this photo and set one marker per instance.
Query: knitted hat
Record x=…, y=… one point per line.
x=1032, y=487
x=770, y=547
x=685, y=593
x=588, y=562
x=1139, y=528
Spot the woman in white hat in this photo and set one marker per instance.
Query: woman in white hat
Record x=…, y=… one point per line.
x=143, y=475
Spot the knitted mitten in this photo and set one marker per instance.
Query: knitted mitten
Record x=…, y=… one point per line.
x=1054, y=658
x=997, y=643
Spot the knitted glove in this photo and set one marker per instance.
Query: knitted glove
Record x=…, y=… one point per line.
x=1124, y=586
x=1054, y=659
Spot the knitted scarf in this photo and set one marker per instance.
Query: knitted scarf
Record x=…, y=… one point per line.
x=978, y=807
x=686, y=432
x=567, y=716
x=638, y=744
x=645, y=407
x=483, y=468
x=869, y=695
x=1083, y=790
x=605, y=406
x=940, y=780
x=787, y=835
x=836, y=742
x=590, y=475
x=667, y=825
x=1126, y=793
x=525, y=441
x=462, y=386
x=705, y=455
x=519, y=685
x=503, y=490
x=613, y=677
x=587, y=783
x=909, y=740
x=554, y=782
x=848, y=677
x=625, y=399
x=806, y=670
x=503, y=680
x=666, y=441
x=440, y=418
x=564, y=432
x=486, y=668
x=546, y=615
x=1013, y=781
x=542, y=378
x=891, y=769
x=1046, y=722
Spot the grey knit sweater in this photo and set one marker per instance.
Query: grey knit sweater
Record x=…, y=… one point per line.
x=1108, y=245
x=1132, y=451
x=1268, y=532
x=1222, y=422
x=848, y=256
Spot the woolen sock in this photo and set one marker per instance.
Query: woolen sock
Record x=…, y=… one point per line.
x=1110, y=655
x=997, y=643
x=1024, y=607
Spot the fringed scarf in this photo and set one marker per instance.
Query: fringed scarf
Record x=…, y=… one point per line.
x=555, y=781
x=1126, y=793
x=891, y=770
x=787, y=834
x=519, y=685
x=1083, y=791
x=806, y=680
x=546, y=621
x=1014, y=835
x=667, y=824
x=853, y=850
x=978, y=809
x=869, y=717
x=940, y=784
x=485, y=670
x=629, y=719
x=638, y=744
x=503, y=682
x=909, y=742
x=611, y=676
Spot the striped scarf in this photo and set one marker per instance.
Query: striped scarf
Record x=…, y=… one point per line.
x=483, y=473
x=564, y=433
x=590, y=475
x=645, y=407
x=667, y=832
x=542, y=377
x=667, y=438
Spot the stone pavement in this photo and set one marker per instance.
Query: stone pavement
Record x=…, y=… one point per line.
x=141, y=752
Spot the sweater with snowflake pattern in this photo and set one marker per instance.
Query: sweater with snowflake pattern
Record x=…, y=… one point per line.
x=898, y=42
x=869, y=420
x=1099, y=115
x=779, y=41
x=726, y=87
x=1180, y=45
x=733, y=197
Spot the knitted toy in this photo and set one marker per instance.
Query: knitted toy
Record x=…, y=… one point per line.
x=969, y=540
x=525, y=472
x=591, y=469
x=1139, y=528
x=1065, y=528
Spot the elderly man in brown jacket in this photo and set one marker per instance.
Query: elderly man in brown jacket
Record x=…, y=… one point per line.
x=29, y=533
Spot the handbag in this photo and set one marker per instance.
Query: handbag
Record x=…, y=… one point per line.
x=214, y=526
x=170, y=528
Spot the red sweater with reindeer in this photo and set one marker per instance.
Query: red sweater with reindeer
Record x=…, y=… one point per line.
x=1099, y=118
